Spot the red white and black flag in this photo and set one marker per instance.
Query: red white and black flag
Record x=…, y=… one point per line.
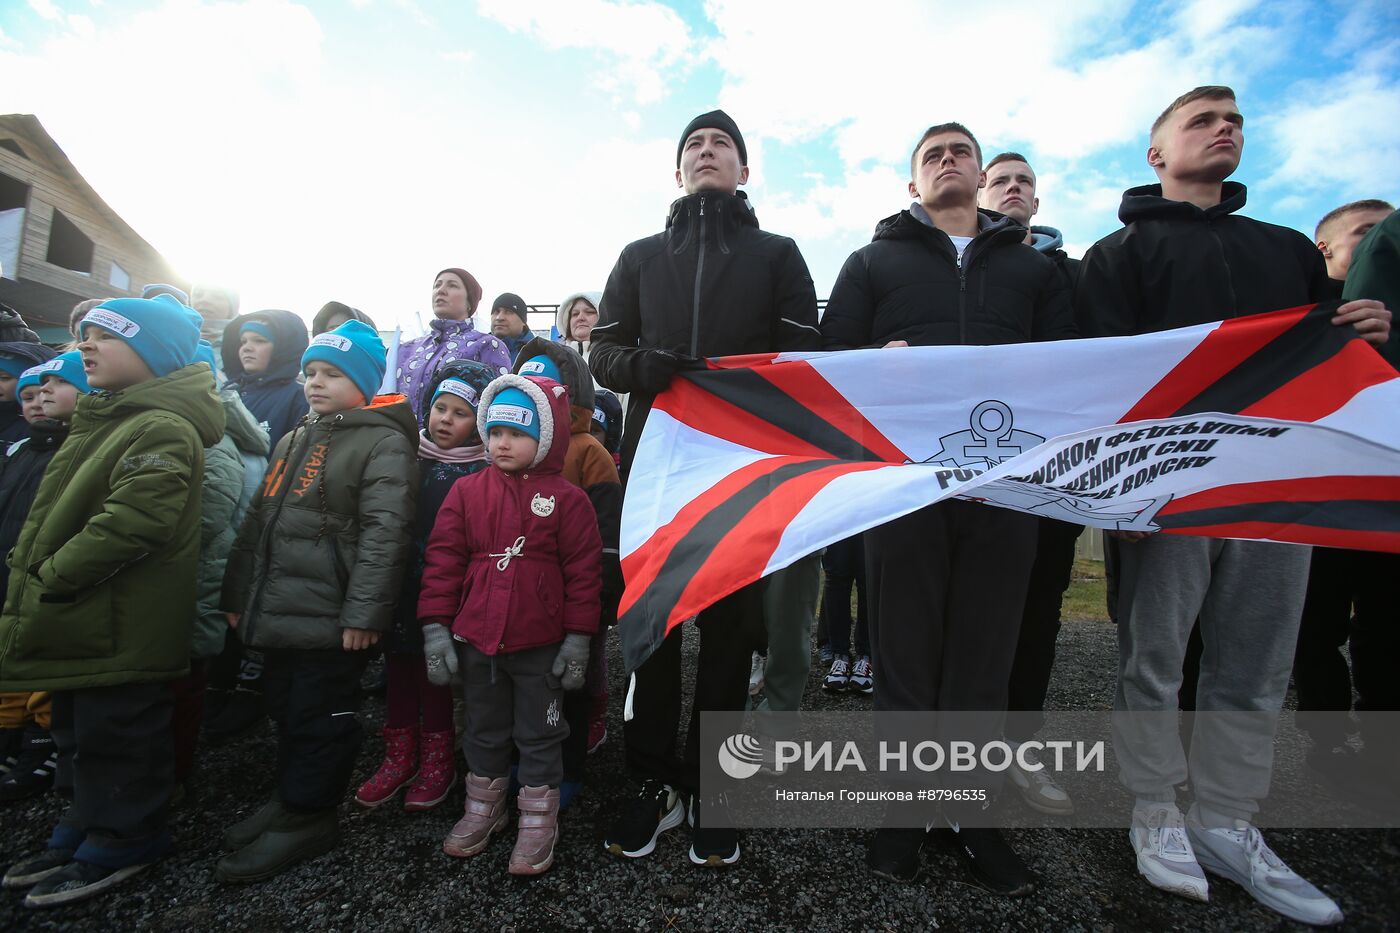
x=1279, y=427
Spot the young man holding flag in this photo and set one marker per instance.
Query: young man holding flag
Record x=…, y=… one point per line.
x=1186, y=257
x=711, y=284
x=946, y=583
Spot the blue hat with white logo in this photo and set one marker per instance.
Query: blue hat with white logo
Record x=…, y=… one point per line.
x=541, y=366
x=512, y=408
x=355, y=349
x=66, y=366
x=162, y=331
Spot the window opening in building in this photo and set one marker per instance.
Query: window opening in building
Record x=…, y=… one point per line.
x=69, y=247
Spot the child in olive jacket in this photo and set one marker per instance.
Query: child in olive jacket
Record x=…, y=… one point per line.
x=101, y=583
x=312, y=580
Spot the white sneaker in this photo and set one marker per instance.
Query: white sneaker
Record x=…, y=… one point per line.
x=1240, y=854
x=1038, y=788
x=1164, y=855
x=756, y=674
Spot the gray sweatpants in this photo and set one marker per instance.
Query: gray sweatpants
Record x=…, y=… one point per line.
x=513, y=701
x=1249, y=597
x=789, y=607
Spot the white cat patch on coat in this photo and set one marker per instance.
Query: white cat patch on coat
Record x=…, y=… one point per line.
x=541, y=506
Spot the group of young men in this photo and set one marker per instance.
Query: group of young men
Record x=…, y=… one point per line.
x=964, y=598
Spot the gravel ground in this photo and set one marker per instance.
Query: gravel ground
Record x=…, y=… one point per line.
x=390, y=874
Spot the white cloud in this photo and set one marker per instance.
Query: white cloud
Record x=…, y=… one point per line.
x=46, y=9
x=644, y=41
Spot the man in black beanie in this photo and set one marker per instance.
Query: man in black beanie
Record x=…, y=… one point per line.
x=508, y=322
x=711, y=284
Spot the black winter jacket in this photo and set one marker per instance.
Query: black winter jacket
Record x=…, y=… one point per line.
x=21, y=468
x=1174, y=265
x=711, y=284
x=275, y=396
x=908, y=284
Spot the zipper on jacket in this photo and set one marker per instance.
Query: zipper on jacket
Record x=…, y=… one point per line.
x=699, y=273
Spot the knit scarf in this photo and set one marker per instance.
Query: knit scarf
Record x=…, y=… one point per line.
x=430, y=451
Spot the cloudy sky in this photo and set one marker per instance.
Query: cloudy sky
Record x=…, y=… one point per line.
x=349, y=149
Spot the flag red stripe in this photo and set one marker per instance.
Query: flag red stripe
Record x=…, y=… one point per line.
x=1221, y=351
x=1304, y=489
x=800, y=381
x=704, y=412
x=1326, y=387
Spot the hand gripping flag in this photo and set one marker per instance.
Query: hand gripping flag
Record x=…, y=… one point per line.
x=1279, y=427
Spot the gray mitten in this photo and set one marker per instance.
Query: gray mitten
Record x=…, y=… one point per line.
x=439, y=653
x=571, y=663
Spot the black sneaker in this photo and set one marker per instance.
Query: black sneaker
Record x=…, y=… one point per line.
x=241, y=715
x=78, y=881
x=894, y=853
x=652, y=812
x=33, y=772
x=992, y=861
x=711, y=846
x=11, y=740
x=36, y=868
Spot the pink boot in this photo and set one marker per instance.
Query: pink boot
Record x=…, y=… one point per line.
x=400, y=766
x=485, y=814
x=436, y=774
x=538, y=831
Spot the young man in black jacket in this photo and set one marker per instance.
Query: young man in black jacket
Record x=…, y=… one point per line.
x=1186, y=257
x=711, y=284
x=946, y=584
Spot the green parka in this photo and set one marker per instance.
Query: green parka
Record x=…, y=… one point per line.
x=325, y=542
x=103, y=576
x=223, y=508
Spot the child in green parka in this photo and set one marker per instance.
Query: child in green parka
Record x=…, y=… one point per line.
x=101, y=582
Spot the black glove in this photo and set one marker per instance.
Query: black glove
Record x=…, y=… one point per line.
x=656, y=368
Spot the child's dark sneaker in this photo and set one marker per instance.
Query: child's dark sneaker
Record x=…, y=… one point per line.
x=33, y=772
x=78, y=881
x=652, y=812
x=711, y=846
x=37, y=867
x=894, y=853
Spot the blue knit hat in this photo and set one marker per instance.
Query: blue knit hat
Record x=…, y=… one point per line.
x=512, y=408
x=354, y=349
x=161, y=288
x=542, y=365
x=459, y=387
x=14, y=367
x=163, y=332
x=205, y=354
x=259, y=328
x=66, y=366
x=29, y=379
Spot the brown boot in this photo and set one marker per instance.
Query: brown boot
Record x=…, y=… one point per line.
x=485, y=814
x=538, y=832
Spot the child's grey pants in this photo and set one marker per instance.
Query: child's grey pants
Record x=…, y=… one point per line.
x=513, y=701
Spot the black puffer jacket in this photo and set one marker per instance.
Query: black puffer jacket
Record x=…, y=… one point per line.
x=326, y=540
x=1174, y=265
x=908, y=284
x=711, y=284
x=21, y=468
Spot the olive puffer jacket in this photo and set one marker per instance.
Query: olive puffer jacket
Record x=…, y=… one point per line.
x=326, y=540
x=223, y=507
x=103, y=576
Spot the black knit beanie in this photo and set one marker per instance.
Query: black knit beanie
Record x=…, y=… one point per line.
x=714, y=120
x=512, y=302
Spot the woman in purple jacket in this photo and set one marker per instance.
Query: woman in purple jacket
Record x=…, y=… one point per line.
x=451, y=336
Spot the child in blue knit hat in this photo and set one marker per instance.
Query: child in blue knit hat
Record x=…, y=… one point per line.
x=311, y=582
x=49, y=393
x=99, y=613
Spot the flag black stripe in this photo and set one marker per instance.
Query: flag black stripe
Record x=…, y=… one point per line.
x=1341, y=514
x=691, y=552
x=746, y=389
x=1310, y=342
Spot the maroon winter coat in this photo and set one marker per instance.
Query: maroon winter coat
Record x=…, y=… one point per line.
x=515, y=560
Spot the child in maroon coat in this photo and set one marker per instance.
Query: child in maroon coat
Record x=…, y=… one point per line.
x=511, y=599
